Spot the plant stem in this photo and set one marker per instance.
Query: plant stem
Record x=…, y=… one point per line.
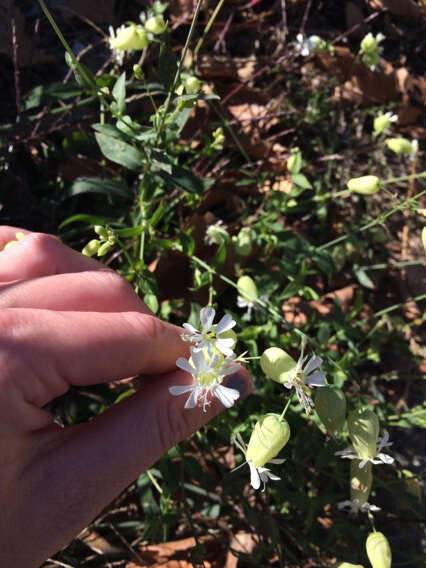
x=209, y=25
x=285, y=408
x=154, y=482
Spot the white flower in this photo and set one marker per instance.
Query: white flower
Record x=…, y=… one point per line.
x=258, y=475
x=353, y=508
x=299, y=377
x=216, y=234
x=415, y=145
x=379, y=458
x=208, y=373
x=209, y=334
x=306, y=46
x=245, y=303
x=117, y=54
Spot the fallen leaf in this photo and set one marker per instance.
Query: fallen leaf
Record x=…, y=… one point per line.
x=403, y=8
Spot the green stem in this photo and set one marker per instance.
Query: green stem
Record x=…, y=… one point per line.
x=179, y=69
x=380, y=220
x=154, y=482
x=285, y=408
x=404, y=178
x=209, y=25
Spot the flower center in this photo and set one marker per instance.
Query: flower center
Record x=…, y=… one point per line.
x=206, y=379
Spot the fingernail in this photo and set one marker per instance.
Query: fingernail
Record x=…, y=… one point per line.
x=240, y=382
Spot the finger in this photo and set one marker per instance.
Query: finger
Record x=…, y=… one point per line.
x=114, y=448
x=38, y=254
x=95, y=291
x=8, y=233
x=50, y=350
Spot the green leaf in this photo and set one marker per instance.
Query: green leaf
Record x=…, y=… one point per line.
x=82, y=74
x=363, y=278
x=152, y=302
x=220, y=257
x=157, y=215
x=88, y=219
x=188, y=244
x=119, y=94
x=167, y=66
x=129, y=232
x=108, y=130
x=301, y=181
x=119, y=152
x=185, y=180
x=196, y=97
x=44, y=94
x=99, y=185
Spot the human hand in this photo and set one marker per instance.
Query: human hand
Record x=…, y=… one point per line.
x=66, y=320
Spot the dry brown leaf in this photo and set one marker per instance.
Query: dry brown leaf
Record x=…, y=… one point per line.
x=280, y=183
x=181, y=9
x=177, y=554
x=402, y=8
x=99, y=544
x=325, y=305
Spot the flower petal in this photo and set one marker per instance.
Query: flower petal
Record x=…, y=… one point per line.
x=226, y=395
x=312, y=364
x=193, y=398
x=230, y=370
x=225, y=324
x=254, y=476
x=225, y=346
x=207, y=317
x=190, y=328
x=316, y=379
x=181, y=389
x=277, y=461
x=184, y=364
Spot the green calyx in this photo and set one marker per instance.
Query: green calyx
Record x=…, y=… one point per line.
x=361, y=481
x=364, y=430
x=330, y=404
x=269, y=436
x=378, y=550
x=276, y=364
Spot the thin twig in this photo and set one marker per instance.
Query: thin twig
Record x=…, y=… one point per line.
x=284, y=19
x=305, y=17
x=15, y=59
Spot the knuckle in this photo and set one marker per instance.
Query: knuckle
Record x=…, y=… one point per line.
x=115, y=282
x=148, y=326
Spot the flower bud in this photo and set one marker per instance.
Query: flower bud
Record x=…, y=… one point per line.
x=155, y=25
x=364, y=430
x=349, y=565
x=330, y=404
x=131, y=37
x=268, y=438
x=91, y=248
x=104, y=248
x=276, y=363
x=137, y=70
x=192, y=85
x=400, y=145
x=101, y=231
x=368, y=43
x=378, y=550
x=247, y=288
x=366, y=185
x=424, y=237
x=383, y=121
x=294, y=162
x=243, y=244
x=361, y=480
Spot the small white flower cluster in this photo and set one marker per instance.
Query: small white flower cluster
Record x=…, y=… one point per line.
x=305, y=46
x=211, y=360
x=370, y=50
x=380, y=457
x=216, y=234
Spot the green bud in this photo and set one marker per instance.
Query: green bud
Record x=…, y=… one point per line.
x=192, y=85
x=247, y=288
x=137, y=70
x=101, y=231
x=330, y=404
x=218, y=137
x=243, y=244
x=276, y=363
x=424, y=237
x=349, y=565
x=361, y=480
x=91, y=248
x=369, y=43
x=104, y=248
x=294, y=162
x=364, y=430
x=131, y=37
x=268, y=438
x=378, y=550
x=400, y=145
x=366, y=185
x=155, y=25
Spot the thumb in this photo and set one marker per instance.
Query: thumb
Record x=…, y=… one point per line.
x=88, y=465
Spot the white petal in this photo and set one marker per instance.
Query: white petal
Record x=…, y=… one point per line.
x=183, y=364
x=176, y=391
x=207, y=317
x=363, y=463
x=316, y=379
x=226, y=395
x=241, y=303
x=193, y=398
x=225, y=324
x=230, y=370
x=225, y=346
x=312, y=364
x=254, y=476
x=277, y=461
x=199, y=360
x=190, y=328
x=385, y=458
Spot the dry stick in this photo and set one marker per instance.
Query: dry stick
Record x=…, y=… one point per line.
x=284, y=17
x=355, y=27
x=15, y=59
x=305, y=17
x=224, y=31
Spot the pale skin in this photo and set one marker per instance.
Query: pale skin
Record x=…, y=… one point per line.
x=65, y=320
